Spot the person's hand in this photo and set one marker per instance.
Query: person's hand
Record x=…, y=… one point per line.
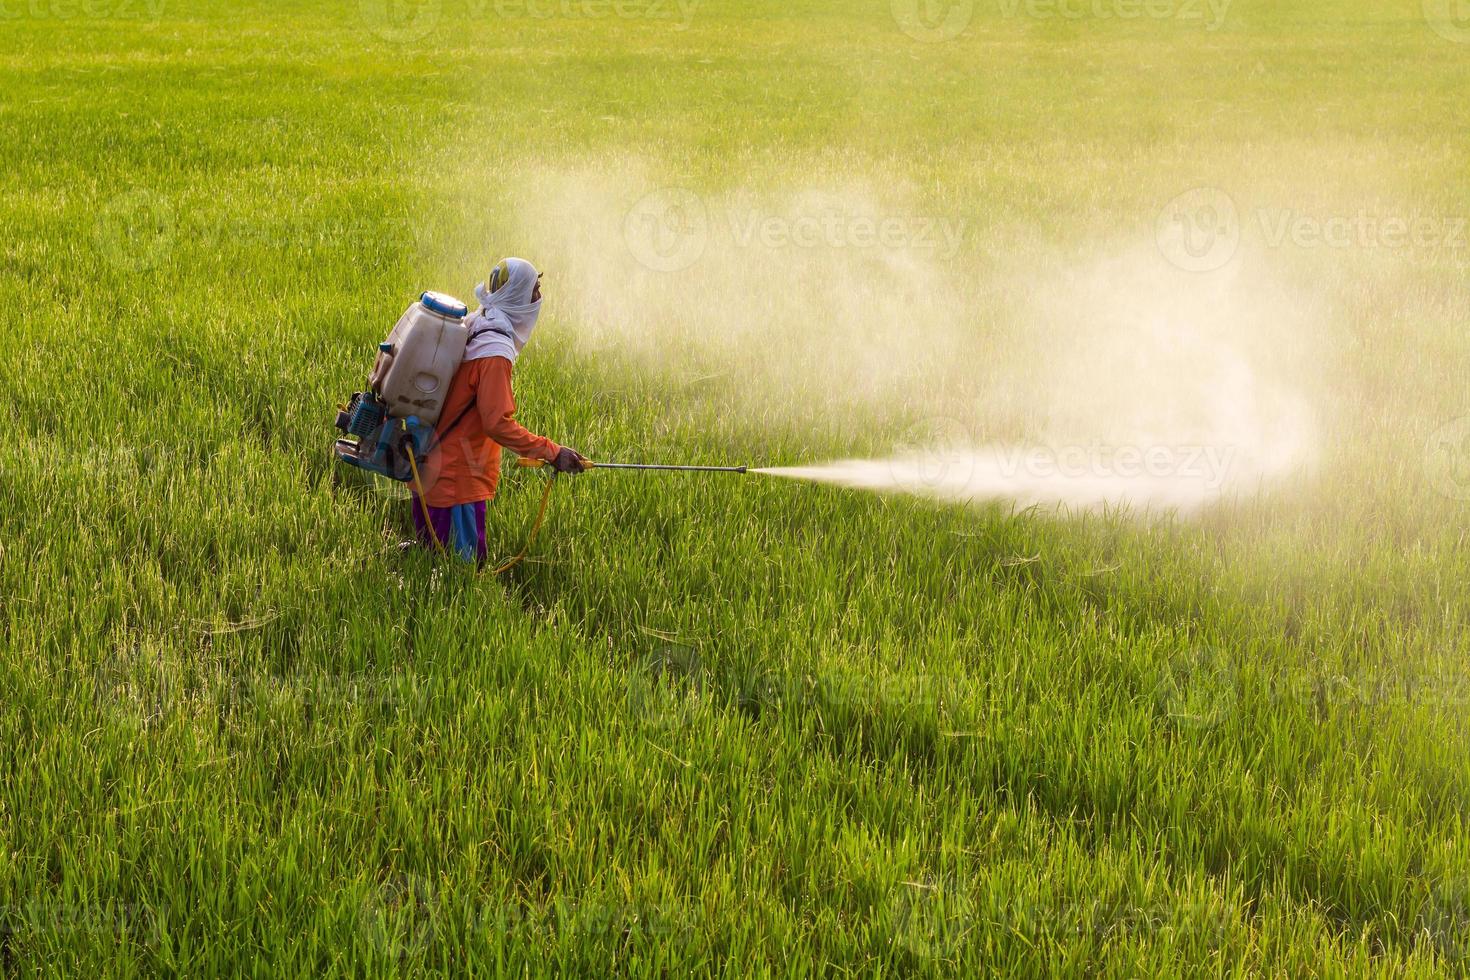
x=568, y=460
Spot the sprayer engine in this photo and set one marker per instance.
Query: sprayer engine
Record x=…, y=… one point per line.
x=377, y=442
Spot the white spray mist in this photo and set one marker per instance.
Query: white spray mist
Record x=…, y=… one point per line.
x=1121, y=381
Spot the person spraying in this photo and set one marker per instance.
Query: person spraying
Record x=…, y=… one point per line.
x=439, y=405
x=478, y=417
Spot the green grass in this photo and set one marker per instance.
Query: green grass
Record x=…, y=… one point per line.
x=725, y=726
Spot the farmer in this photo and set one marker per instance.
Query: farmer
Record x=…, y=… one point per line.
x=479, y=415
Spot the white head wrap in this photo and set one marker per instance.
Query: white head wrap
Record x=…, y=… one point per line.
x=506, y=317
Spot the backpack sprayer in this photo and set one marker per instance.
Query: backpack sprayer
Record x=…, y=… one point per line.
x=391, y=424
x=389, y=428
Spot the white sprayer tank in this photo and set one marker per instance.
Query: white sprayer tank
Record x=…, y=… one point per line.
x=420, y=356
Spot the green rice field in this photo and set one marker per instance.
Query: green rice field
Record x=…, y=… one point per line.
x=741, y=725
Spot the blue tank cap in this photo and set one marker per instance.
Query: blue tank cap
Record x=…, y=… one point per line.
x=444, y=304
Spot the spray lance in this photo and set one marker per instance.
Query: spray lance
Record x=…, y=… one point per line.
x=588, y=464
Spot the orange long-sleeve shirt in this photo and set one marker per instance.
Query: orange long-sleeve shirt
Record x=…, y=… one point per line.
x=466, y=465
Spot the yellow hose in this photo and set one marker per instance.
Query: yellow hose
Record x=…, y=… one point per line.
x=419, y=486
x=530, y=538
x=429, y=521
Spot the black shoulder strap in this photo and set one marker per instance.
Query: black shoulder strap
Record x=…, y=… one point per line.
x=466, y=410
x=457, y=419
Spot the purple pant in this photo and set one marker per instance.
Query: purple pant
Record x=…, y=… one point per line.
x=460, y=529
